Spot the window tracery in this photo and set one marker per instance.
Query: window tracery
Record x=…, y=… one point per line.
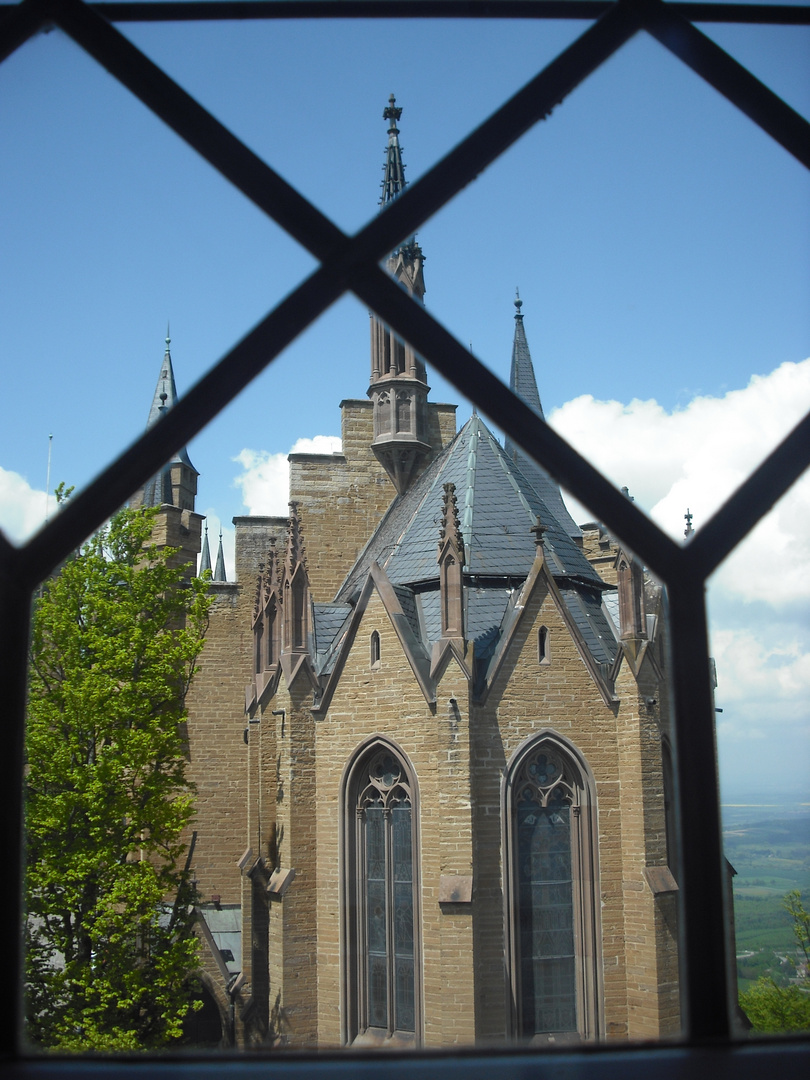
x=381, y=902
x=552, y=914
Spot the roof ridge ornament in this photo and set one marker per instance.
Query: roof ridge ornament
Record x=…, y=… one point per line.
x=450, y=528
x=296, y=553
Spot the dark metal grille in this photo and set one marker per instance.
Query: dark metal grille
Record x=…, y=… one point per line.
x=351, y=263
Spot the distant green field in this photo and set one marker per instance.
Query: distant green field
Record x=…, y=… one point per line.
x=771, y=856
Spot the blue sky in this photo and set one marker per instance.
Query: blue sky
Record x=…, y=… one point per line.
x=660, y=241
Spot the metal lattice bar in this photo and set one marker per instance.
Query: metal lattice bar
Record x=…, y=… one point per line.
x=350, y=263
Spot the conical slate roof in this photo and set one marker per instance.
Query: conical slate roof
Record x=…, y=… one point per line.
x=497, y=505
x=219, y=569
x=205, y=554
x=522, y=382
x=158, y=490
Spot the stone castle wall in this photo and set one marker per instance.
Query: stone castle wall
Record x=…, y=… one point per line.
x=343, y=496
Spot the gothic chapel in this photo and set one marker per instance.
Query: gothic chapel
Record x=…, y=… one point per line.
x=429, y=735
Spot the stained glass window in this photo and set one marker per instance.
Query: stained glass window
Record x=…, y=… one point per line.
x=385, y=904
x=550, y=895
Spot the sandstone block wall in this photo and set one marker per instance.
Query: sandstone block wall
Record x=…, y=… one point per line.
x=344, y=496
x=216, y=718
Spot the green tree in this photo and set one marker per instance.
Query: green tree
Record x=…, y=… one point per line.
x=772, y=1008
x=109, y=902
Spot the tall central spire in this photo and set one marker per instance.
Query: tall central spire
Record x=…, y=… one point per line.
x=398, y=386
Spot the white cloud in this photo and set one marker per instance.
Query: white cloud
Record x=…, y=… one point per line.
x=763, y=668
x=22, y=508
x=265, y=482
x=696, y=457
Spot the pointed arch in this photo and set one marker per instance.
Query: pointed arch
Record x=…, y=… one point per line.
x=381, y=985
x=551, y=892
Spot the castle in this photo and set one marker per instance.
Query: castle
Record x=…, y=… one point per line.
x=429, y=736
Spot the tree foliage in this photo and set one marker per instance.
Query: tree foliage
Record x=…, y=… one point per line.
x=772, y=1008
x=109, y=903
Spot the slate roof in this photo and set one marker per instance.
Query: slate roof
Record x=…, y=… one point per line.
x=497, y=505
x=497, y=508
x=593, y=622
x=225, y=924
x=327, y=621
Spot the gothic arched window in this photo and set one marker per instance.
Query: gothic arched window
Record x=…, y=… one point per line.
x=551, y=891
x=380, y=910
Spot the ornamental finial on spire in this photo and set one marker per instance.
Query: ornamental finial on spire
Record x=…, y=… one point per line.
x=392, y=113
x=518, y=304
x=394, y=179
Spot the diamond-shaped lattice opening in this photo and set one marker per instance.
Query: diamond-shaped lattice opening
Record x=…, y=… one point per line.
x=662, y=283
x=776, y=55
x=113, y=227
x=757, y=604
x=304, y=95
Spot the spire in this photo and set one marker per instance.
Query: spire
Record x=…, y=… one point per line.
x=398, y=387
x=219, y=572
x=522, y=382
x=176, y=483
x=166, y=390
x=521, y=377
x=394, y=179
x=205, y=557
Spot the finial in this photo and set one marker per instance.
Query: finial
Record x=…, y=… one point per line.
x=168, y=336
x=518, y=303
x=392, y=113
x=539, y=530
x=687, y=517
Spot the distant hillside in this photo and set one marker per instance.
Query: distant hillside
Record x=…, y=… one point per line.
x=769, y=847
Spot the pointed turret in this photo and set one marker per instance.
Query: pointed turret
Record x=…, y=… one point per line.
x=398, y=380
x=522, y=382
x=219, y=570
x=205, y=557
x=176, y=483
x=296, y=602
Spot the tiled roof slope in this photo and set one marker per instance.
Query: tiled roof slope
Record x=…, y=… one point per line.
x=497, y=506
